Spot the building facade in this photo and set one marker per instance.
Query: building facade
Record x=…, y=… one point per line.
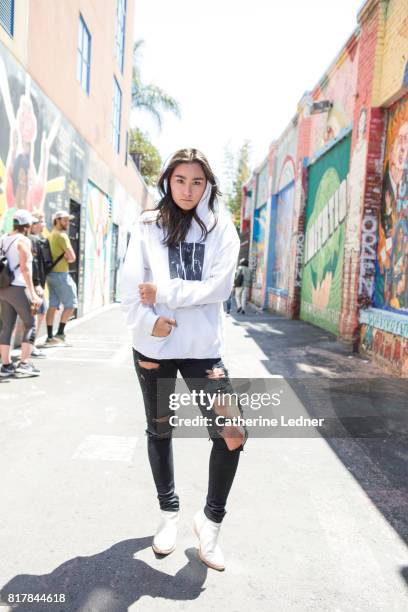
x=65, y=85
x=336, y=217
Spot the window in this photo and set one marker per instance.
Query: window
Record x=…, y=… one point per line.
x=84, y=55
x=120, y=32
x=117, y=109
x=7, y=15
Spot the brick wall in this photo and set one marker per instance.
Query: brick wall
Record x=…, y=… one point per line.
x=365, y=178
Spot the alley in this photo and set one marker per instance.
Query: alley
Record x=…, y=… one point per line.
x=312, y=523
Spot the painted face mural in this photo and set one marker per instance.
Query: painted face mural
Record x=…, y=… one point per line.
x=391, y=287
x=41, y=157
x=324, y=238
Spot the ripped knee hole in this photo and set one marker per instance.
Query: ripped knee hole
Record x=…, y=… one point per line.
x=162, y=419
x=148, y=365
x=216, y=373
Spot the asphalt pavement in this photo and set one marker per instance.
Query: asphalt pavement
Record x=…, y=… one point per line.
x=314, y=522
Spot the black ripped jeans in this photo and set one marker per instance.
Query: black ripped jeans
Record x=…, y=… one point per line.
x=157, y=383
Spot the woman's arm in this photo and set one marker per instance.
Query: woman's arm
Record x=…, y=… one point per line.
x=179, y=293
x=135, y=270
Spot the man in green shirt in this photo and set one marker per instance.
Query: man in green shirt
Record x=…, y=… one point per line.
x=62, y=289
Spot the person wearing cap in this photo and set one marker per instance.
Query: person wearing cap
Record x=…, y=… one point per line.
x=39, y=272
x=19, y=298
x=61, y=286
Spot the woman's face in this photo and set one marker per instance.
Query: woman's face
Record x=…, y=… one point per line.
x=187, y=185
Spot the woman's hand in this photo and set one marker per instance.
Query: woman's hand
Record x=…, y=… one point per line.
x=147, y=293
x=163, y=325
x=39, y=291
x=36, y=301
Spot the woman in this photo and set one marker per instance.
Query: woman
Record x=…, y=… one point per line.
x=20, y=297
x=178, y=271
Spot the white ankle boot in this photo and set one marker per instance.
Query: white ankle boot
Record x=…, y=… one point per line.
x=164, y=541
x=207, y=532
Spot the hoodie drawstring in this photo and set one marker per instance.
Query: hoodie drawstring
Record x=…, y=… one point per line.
x=182, y=262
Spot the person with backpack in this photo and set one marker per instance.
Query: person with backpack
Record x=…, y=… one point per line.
x=61, y=286
x=242, y=283
x=40, y=248
x=17, y=295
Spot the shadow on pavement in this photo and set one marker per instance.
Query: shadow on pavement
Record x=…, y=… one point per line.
x=109, y=581
x=369, y=406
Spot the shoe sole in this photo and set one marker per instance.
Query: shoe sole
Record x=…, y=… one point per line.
x=11, y=375
x=163, y=552
x=219, y=568
x=26, y=374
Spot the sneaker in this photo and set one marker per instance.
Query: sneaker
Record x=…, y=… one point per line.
x=52, y=342
x=7, y=370
x=27, y=369
x=239, y=310
x=37, y=353
x=60, y=337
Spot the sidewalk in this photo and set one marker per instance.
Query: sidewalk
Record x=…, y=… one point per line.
x=312, y=523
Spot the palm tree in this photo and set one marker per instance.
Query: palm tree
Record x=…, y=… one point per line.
x=148, y=97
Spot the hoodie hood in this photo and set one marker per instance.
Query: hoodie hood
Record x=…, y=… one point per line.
x=204, y=213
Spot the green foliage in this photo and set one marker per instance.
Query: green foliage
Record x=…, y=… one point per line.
x=236, y=172
x=149, y=157
x=149, y=97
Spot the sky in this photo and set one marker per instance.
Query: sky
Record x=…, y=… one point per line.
x=238, y=68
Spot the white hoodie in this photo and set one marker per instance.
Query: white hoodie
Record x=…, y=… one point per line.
x=193, y=280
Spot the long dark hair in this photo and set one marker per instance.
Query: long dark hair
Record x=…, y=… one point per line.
x=175, y=221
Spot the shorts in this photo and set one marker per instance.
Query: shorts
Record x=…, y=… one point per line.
x=44, y=307
x=62, y=290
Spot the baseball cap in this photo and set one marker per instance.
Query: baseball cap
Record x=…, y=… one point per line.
x=24, y=217
x=62, y=214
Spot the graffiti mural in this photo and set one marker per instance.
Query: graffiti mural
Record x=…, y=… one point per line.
x=98, y=249
x=389, y=350
x=42, y=158
x=324, y=237
x=391, y=286
x=258, y=244
x=281, y=230
x=337, y=85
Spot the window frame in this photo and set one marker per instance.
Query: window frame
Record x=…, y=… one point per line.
x=82, y=61
x=116, y=114
x=9, y=27
x=120, y=33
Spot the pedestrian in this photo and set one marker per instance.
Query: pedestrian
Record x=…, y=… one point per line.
x=242, y=283
x=61, y=286
x=19, y=298
x=178, y=271
x=38, y=243
x=228, y=303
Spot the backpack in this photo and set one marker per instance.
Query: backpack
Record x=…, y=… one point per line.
x=239, y=279
x=47, y=262
x=6, y=273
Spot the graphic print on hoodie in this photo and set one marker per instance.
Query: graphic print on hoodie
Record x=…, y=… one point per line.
x=186, y=260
